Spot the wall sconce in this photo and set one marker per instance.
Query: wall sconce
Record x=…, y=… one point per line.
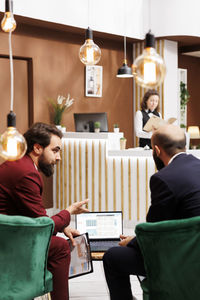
x=89, y=52
x=194, y=132
x=149, y=68
x=12, y=143
x=124, y=71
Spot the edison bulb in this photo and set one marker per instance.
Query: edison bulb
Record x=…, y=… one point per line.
x=89, y=52
x=8, y=23
x=149, y=68
x=12, y=144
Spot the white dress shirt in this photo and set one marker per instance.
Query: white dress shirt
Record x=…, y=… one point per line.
x=140, y=133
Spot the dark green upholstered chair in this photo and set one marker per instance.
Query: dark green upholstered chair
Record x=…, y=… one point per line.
x=171, y=251
x=24, y=244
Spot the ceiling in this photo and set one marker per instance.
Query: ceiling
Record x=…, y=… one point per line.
x=188, y=45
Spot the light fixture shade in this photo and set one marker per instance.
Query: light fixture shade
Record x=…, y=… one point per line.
x=124, y=71
x=89, y=52
x=149, y=67
x=12, y=144
x=8, y=23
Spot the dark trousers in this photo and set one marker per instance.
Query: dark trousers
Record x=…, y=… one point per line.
x=119, y=263
x=58, y=265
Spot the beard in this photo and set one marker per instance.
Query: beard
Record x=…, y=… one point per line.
x=46, y=168
x=158, y=162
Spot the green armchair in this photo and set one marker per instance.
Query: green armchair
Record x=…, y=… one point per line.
x=24, y=244
x=171, y=251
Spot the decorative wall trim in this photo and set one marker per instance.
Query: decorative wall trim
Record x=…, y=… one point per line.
x=110, y=182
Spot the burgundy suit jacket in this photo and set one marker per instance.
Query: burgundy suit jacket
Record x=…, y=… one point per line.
x=21, y=192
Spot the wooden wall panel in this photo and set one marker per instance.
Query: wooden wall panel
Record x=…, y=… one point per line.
x=192, y=64
x=56, y=69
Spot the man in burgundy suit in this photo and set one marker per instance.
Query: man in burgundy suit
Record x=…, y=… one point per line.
x=21, y=194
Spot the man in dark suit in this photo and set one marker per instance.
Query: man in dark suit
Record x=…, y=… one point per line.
x=175, y=194
x=21, y=194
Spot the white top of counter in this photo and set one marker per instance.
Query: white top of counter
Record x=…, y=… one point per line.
x=138, y=152
x=111, y=138
x=92, y=135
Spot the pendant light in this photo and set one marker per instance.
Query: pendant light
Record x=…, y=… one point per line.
x=149, y=68
x=124, y=71
x=89, y=53
x=12, y=143
x=8, y=22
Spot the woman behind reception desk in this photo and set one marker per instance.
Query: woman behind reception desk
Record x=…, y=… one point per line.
x=149, y=107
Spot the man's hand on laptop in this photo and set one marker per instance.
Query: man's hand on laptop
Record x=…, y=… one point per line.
x=125, y=240
x=70, y=233
x=77, y=207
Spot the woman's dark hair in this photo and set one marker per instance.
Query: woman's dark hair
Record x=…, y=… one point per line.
x=148, y=94
x=40, y=133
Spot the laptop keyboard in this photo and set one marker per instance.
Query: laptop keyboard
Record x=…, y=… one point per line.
x=96, y=246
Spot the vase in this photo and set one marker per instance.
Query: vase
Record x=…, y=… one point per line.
x=97, y=130
x=59, y=127
x=122, y=144
x=63, y=129
x=116, y=130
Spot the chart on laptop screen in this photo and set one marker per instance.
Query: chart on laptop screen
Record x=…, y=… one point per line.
x=100, y=224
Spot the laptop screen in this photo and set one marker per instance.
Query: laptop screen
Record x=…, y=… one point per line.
x=100, y=225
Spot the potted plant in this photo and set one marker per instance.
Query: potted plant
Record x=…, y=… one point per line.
x=122, y=143
x=184, y=98
x=116, y=127
x=97, y=126
x=59, y=106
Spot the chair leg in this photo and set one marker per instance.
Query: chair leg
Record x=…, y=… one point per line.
x=49, y=296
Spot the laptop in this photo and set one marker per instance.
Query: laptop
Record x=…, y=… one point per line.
x=103, y=228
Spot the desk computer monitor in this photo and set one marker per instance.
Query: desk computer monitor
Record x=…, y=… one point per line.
x=85, y=122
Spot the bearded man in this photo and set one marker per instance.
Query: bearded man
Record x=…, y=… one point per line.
x=21, y=194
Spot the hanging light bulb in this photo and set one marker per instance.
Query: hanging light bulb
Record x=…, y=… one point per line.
x=12, y=143
x=149, y=68
x=89, y=52
x=124, y=71
x=8, y=22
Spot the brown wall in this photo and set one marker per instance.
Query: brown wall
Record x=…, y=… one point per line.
x=56, y=69
x=192, y=64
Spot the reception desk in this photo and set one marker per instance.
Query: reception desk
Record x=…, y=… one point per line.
x=94, y=167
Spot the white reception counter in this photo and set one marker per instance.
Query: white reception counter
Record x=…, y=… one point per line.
x=93, y=167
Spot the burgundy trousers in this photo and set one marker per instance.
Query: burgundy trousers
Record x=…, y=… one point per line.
x=58, y=265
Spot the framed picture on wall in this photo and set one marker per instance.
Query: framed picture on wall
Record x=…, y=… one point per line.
x=93, y=75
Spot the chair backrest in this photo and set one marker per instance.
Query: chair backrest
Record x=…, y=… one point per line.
x=171, y=251
x=24, y=244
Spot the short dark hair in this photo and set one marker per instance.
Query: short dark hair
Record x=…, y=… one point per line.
x=40, y=133
x=148, y=94
x=170, y=146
